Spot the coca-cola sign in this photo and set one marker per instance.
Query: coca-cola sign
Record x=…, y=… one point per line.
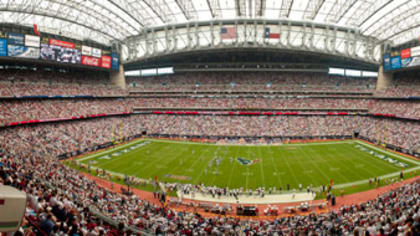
x=90, y=61
x=60, y=43
x=106, y=62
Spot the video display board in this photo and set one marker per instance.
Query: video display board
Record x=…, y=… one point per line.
x=45, y=48
x=60, y=54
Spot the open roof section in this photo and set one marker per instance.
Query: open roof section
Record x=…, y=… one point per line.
x=105, y=21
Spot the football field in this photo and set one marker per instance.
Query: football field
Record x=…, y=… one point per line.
x=251, y=166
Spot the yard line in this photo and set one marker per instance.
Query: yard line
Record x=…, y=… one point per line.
x=328, y=154
x=291, y=171
x=316, y=165
x=366, y=162
x=261, y=166
x=152, y=163
x=168, y=161
x=233, y=167
x=134, y=154
x=202, y=169
x=275, y=166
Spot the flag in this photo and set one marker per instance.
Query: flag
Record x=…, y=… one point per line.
x=36, y=30
x=228, y=32
x=271, y=33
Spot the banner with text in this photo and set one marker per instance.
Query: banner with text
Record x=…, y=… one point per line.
x=415, y=52
x=86, y=50
x=16, y=39
x=3, y=47
x=55, y=42
x=3, y=35
x=32, y=41
x=396, y=62
x=96, y=52
x=91, y=61
x=106, y=62
x=387, y=62
x=115, y=64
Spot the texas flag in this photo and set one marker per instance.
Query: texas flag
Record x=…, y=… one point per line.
x=271, y=33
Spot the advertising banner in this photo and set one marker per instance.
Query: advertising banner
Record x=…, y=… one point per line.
x=78, y=46
x=60, y=54
x=406, y=62
x=3, y=47
x=96, y=52
x=415, y=61
x=106, y=53
x=86, y=50
x=45, y=40
x=106, y=62
x=415, y=52
x=395, y=53
x=22, y=51
x=3, y=35
x=387, y=62
x=90, y=61
x=16, y=39
x=32, y=41
x=396, y=62
x=55, y=42
x=115, y=64
x=405, y=53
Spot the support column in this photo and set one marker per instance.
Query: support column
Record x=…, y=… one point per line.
x=384, y=79
x=118, y=78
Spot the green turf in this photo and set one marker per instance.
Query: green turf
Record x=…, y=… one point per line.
x=305, y=164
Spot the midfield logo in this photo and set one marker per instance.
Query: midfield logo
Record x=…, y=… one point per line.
x=246, y=162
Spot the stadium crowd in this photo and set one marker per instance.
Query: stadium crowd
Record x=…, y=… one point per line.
x=244, y=103
x=235, y=81
x=24, y=110
x=33, y=109
x=61, y=201
x=47, y=83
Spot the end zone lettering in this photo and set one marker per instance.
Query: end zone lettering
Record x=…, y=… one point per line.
x=60, y=43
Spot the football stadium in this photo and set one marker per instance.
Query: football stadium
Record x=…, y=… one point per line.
x=209, y=117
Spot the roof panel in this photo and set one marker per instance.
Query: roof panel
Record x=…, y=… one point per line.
x=108, y=20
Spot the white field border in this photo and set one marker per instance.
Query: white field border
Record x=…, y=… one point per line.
x=339, y=186
x=247, y=145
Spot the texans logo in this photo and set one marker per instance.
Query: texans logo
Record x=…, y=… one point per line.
x=246, y=162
